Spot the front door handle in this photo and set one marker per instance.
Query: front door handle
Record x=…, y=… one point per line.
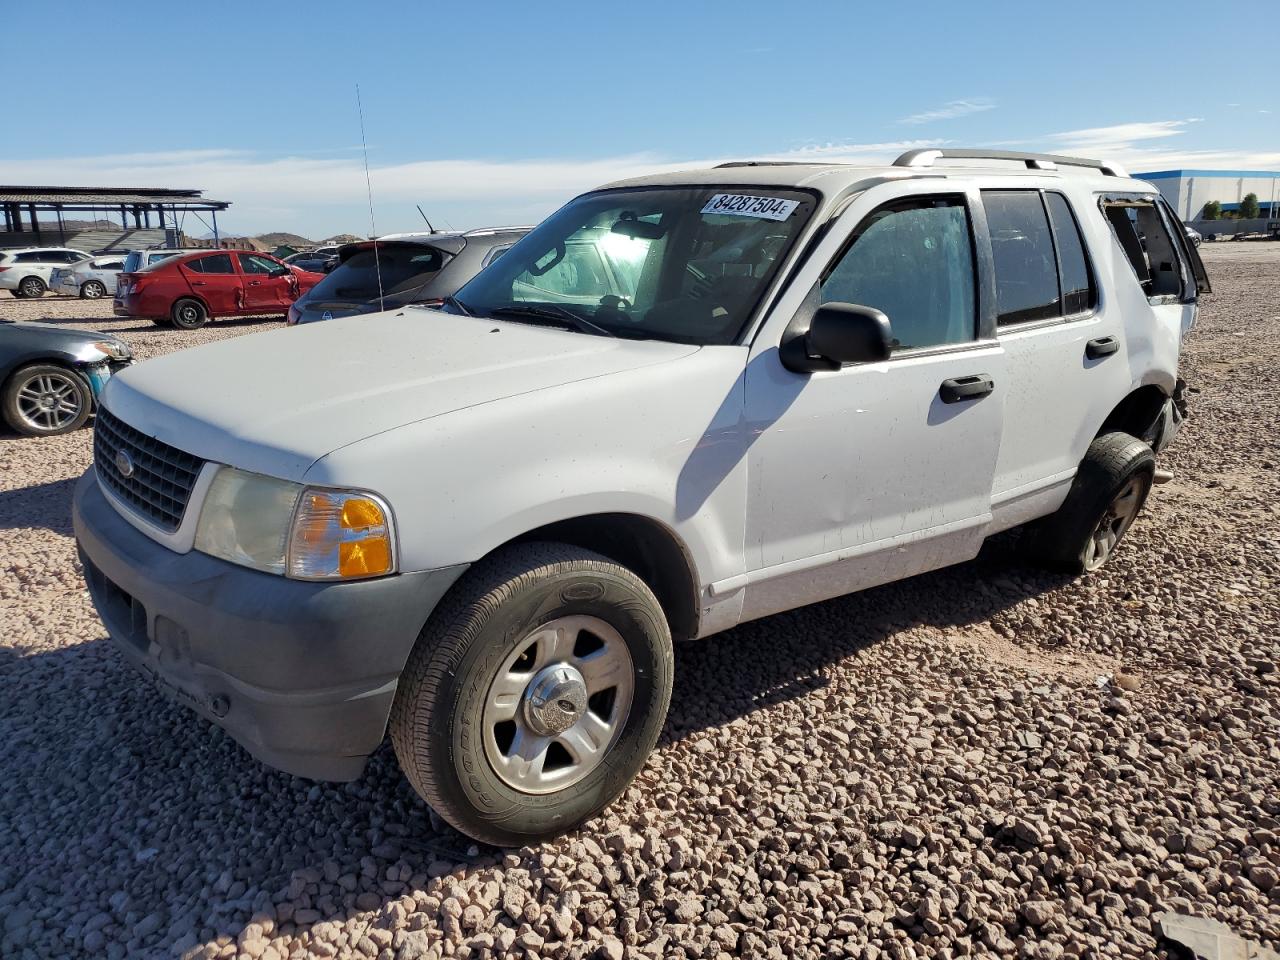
x=966, y=388
x=197, y=283
x=1102, y=347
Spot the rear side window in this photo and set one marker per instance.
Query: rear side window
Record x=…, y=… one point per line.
x=218, y=263
x=914, y=262
x=1144, y=237
x=1077, y=285
x=108, y=265
x=159, y=257
x=1022, y=247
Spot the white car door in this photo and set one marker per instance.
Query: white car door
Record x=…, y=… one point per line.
x=877, y=471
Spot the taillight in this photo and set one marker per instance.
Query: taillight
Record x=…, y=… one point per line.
x=3, y=269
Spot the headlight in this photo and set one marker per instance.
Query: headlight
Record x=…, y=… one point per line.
x=116, y=351
x=309, y=533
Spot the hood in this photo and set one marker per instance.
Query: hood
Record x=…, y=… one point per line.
x=52, y=335
x=276, y=402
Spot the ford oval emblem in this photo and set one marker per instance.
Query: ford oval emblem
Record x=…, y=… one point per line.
x=124, y=463
x=326, y=315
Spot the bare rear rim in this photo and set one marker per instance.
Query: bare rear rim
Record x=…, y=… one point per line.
x=558, y=704
x=1116, y=519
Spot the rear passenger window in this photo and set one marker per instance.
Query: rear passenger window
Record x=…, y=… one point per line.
x=1077, y=283
x=218, y=263
x=1026, y=267
x=912, y=261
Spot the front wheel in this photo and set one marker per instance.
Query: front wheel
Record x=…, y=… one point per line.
x=535, y=693
x=45, y=399
x=1108, y=491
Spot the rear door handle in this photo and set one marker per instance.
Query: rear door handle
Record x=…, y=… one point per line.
x=966, y=388
x=1102, y=347
x=255, y=283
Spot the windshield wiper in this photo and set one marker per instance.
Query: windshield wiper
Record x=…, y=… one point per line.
x=461, y=307
x=553, y=312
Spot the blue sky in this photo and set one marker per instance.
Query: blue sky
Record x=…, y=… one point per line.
x=497, y=112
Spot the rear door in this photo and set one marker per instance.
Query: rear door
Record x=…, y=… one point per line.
x=1066, y=355
x=216, y=281
x=266, y=289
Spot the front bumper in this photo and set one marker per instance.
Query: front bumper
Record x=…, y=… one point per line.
x=301, y=674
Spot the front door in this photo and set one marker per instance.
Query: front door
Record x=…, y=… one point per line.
x=878, y=471
x=266, y=289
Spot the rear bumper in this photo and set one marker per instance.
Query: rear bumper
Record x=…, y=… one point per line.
x=301, y=674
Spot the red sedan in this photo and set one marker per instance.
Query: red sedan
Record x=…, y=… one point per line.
x=188, y=290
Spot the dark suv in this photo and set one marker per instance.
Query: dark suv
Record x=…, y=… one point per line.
x=413, y=268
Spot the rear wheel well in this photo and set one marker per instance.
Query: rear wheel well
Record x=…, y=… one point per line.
x=1138, y=414
x=643, y=546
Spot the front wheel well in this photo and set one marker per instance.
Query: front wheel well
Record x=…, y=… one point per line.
x=1138, y=414
x=645, y=547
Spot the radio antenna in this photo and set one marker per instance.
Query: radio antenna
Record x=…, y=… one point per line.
x=424, y=217
x=373, y=225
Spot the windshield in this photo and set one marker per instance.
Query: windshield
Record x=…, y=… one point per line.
x=682, y=264
x=403, y=267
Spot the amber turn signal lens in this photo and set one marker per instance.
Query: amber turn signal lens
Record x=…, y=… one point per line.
x=340, y=536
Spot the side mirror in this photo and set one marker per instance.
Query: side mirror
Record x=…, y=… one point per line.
x=839, y=333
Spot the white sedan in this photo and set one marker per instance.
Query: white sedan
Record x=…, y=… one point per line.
x=90, y=279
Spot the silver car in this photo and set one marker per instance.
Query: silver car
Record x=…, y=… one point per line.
x=91, y=279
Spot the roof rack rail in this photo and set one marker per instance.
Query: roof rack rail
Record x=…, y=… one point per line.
x=767, y=163
x=1033, y=161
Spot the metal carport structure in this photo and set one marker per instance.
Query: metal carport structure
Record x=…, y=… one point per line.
x=26, y=203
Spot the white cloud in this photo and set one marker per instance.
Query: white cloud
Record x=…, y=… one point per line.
x=1145, y=146
x=951, y=110
x=1122, y=135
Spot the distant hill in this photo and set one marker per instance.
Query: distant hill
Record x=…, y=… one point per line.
x=342, y=238
x=284, y=238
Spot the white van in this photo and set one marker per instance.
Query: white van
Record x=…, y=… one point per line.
x=680, y=403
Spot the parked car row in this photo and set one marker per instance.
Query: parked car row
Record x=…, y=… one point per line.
x=27, y=271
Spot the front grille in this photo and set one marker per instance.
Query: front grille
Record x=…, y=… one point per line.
x=160, y=484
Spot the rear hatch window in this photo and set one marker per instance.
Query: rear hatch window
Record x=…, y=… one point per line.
x=398, y=270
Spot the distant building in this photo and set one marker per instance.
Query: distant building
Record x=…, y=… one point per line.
x=1189, y=190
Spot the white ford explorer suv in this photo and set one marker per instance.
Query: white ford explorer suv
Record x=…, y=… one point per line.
x=681, y=402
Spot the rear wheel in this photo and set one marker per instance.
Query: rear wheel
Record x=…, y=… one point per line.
x=1106, y=496
x=31, y=287
x=535, y=693
x=45, y=399
x=188, y=314
x=93, y=290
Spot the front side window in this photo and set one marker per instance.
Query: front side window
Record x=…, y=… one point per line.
x=913, y=261
x=1025, y=263
x=252, y=263
x=686, y=264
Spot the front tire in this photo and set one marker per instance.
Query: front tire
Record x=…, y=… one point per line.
x=93, y=290
x=534, y=694
x=1109, y=490
x=188, y=314
x=44, y=399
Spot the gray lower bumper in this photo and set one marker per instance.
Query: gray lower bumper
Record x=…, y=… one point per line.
x=301, y=674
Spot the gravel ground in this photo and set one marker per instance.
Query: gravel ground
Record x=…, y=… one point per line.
x=984, y=760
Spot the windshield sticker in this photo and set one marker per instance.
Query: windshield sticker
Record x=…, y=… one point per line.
x=740, y=205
